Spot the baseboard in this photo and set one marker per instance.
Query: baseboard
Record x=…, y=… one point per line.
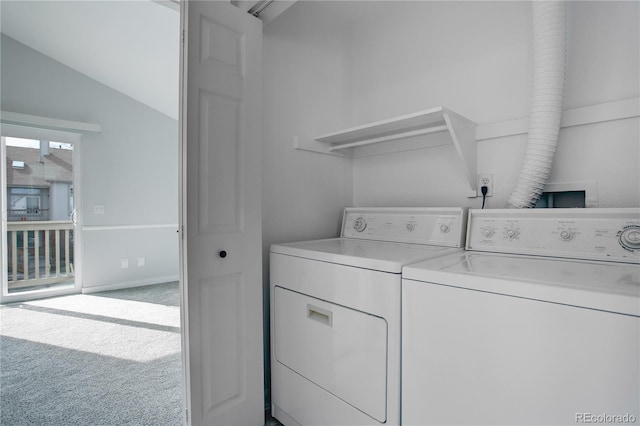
x=130, y=284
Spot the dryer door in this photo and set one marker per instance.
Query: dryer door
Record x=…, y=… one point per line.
x=341, y=350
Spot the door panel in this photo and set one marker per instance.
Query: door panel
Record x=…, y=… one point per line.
x=222, y=306
x=221, y=214
x=220, y=166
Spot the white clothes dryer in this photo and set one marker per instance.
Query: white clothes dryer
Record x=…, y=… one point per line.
x=537, y=323
x=335, y=314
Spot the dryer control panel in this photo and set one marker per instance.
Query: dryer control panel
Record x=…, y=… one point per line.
x=590, y=234
x=417, y=225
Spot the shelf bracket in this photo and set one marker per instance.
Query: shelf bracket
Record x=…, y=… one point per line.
x=463, y=135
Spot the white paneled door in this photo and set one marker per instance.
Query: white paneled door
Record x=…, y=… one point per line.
x=221, y=214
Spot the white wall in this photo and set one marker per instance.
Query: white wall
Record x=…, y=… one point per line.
x=130, y=168
x=306, y=84
x=474, y=57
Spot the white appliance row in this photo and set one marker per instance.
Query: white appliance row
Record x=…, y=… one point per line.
x=537, y=322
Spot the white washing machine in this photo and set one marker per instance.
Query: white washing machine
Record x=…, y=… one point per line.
x=537, y=323
x=335, y=314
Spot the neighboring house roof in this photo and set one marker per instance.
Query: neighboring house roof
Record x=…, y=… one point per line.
x=57, y=167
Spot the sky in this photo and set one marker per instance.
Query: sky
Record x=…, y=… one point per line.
x=32, y=143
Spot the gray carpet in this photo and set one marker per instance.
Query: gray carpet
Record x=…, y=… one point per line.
x=109, y=358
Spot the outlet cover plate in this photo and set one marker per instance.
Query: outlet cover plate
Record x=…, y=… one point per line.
x=485, y=179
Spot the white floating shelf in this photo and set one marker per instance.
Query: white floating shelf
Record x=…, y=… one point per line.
x=461, y=133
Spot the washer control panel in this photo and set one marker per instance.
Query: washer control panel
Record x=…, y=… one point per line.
x=417, y=225
x=593, y=234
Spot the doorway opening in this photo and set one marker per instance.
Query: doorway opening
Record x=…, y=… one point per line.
x=39, y=197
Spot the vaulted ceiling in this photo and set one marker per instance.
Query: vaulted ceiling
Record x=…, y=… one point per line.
x=130, y=46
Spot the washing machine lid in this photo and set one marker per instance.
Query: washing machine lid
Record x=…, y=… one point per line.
x=607, y=286
x=377, y=255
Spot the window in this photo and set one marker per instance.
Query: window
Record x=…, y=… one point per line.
x=26, y=201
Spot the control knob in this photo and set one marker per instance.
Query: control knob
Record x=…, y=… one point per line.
x=629, y=237
x=566, y=235
x=444, y=228
x=360, y=224
x=411, y=226
x=488, y=232
x=512, y=233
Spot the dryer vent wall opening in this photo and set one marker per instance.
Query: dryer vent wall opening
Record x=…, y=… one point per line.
x=549, y=63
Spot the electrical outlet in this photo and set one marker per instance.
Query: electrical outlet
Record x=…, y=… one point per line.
x=485, y=179
x=141, y=261
x=124, y=263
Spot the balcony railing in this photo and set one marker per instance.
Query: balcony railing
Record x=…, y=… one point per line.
x=29, y=215
x=39, y=253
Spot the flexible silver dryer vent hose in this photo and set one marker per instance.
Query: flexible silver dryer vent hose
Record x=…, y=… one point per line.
x=549, y=59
